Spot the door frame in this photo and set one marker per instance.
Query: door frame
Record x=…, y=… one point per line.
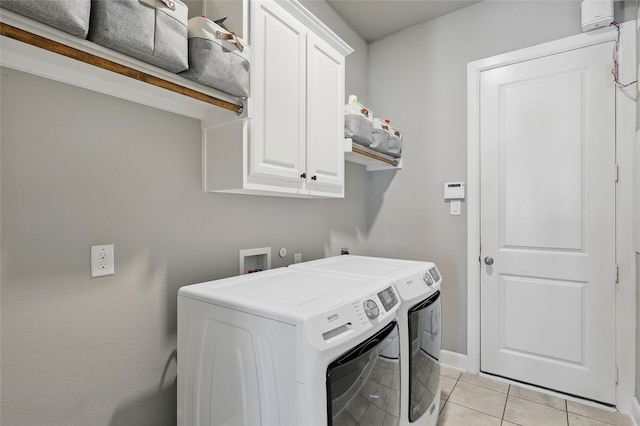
x=625, y=256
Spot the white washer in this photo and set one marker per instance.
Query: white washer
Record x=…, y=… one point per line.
x=418, y=284
x=286, y=347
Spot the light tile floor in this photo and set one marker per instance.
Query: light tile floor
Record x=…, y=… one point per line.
x=471, y=400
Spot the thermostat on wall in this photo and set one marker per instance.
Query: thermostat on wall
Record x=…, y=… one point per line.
x=454, y=191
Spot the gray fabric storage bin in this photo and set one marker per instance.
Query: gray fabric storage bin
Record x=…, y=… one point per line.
x=357, y=124
x=149, y=30
x=395, y=142
x=71, y=16
x=380, y=136
x=217, y=58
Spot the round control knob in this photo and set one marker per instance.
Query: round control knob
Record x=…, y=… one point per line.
x=371, y=309
x=427, y=279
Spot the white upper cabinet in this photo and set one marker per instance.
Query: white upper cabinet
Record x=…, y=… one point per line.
x=279, y=43
x=291, y=141
x=325, y=121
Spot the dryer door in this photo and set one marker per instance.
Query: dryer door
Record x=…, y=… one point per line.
x=363, y=385
x=424, y=368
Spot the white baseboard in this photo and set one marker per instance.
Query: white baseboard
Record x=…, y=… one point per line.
x=635, y=411
x=455, y=360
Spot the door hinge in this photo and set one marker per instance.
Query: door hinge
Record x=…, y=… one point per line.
x=616, y=172
x=616, y=274
x=615, y=373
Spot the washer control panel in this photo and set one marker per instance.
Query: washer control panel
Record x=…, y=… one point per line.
x=388, y=297
x=419, y=283
x=378, y=304
x=357, y=316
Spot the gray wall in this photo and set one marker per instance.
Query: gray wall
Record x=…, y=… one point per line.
x=417, y=78
x=80, y=168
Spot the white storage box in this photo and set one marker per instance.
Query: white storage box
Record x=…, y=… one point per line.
x=154, y=31
x=217, y=57
x=358, y=123
x=71, y=16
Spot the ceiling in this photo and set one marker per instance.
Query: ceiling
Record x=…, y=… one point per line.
x=376, y=19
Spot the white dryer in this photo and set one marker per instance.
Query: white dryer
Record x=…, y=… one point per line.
x=287, y=347
x=418, y=284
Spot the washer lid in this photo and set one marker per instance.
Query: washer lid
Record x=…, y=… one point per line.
x=291, y=289
x=411, y=277
x=286, y=294
x=374, y=266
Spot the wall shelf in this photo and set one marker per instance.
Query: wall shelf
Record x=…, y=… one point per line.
x=38, y=49
x=373, y=160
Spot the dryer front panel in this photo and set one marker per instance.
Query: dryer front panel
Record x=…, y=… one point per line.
x=234, y=368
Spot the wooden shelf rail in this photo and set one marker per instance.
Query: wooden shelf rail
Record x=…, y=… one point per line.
x=373, y=155
x=91, y=59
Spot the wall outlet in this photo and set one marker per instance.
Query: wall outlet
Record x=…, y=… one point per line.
x=102, y=260
x=297, y=258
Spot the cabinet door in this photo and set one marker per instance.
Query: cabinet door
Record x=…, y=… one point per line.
x=277, y=154
x=325, y=116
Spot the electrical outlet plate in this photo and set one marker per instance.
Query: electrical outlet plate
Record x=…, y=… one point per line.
x=102, y=260
x=297, y=258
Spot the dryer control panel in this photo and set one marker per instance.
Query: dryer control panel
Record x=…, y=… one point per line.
x=346, y=321
x=416, y=285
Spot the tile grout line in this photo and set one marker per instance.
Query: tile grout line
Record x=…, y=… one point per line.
x=504, y=410
x=566, y=411
x=477, y=411
x=454, y=386
x=449, y=396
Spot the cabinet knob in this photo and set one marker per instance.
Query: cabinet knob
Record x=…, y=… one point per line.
x=314, y=177
x=303, y=176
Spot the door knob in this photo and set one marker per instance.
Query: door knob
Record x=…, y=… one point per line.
x=488, y=260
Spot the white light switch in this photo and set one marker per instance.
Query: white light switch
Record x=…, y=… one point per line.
x=455, y=207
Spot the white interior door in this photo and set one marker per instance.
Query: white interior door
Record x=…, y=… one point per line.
x=547, y=206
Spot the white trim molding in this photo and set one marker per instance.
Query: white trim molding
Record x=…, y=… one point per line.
x=625, y=136
x=453, y=359
x=635, y=411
